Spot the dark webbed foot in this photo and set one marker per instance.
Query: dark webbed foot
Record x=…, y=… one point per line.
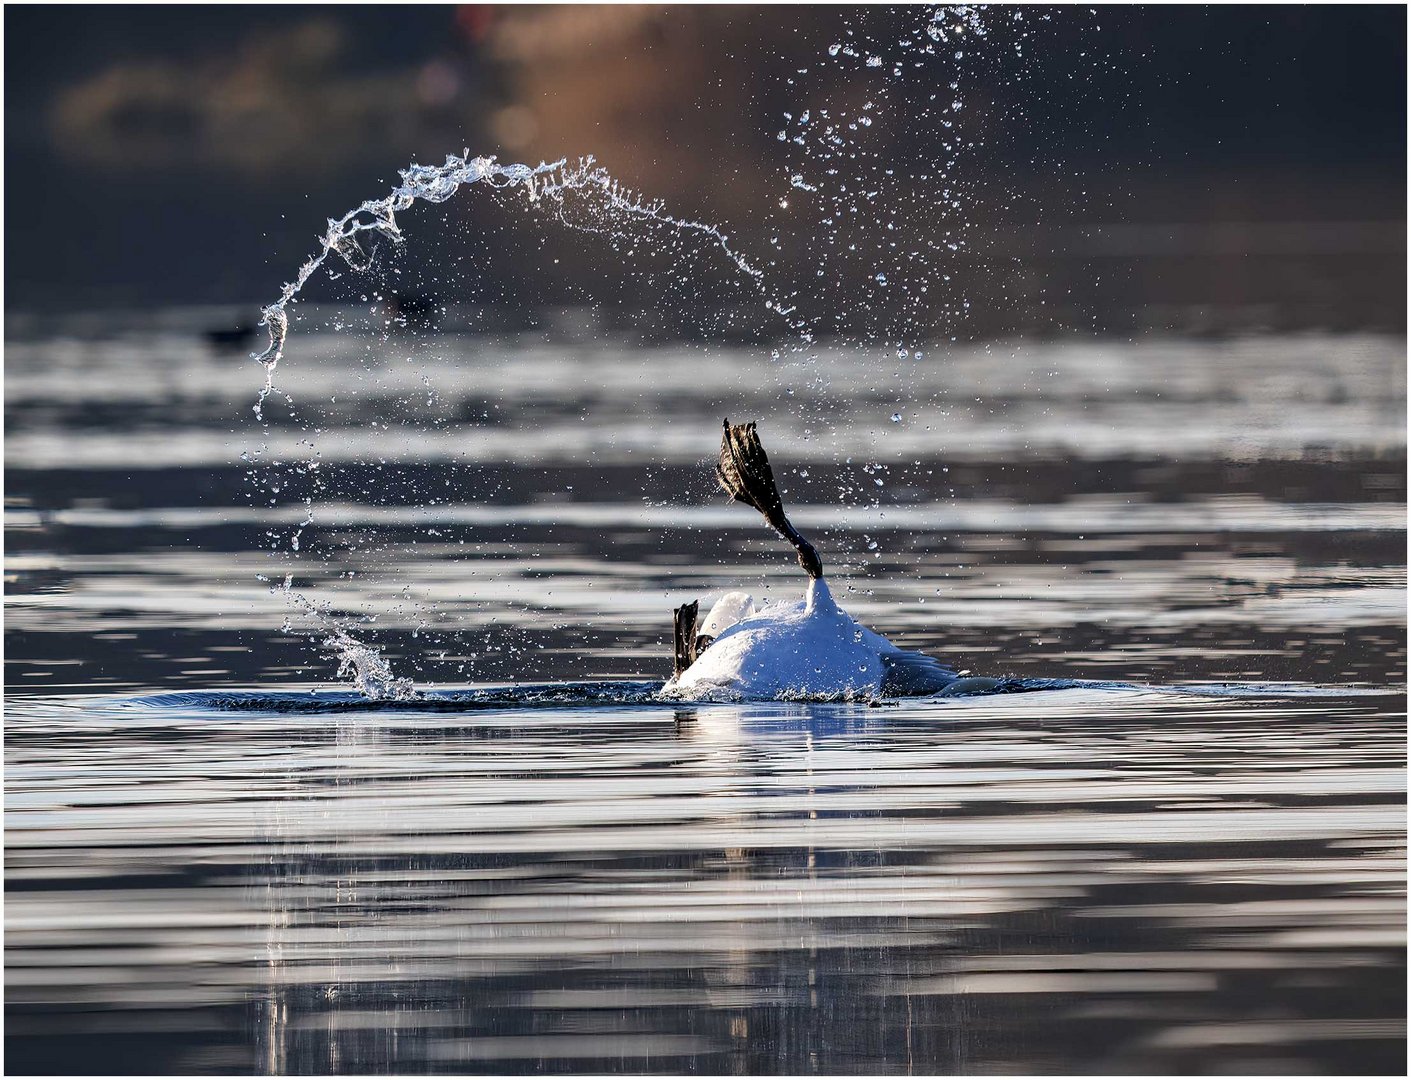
x=745, y=476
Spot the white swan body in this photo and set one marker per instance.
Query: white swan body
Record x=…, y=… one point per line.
x=811, y=649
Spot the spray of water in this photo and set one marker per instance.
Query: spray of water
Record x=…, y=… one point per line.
x=361, y=664
x=545, y=184
x=367, y=669
x=833, y=166
x=547, y=187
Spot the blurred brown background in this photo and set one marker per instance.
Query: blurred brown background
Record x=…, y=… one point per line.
x=1221, y=169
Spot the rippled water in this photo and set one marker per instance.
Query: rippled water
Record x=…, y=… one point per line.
x=1199, y=872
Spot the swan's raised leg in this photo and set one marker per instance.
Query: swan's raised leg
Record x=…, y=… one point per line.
x=745, y=476
x=684, y=634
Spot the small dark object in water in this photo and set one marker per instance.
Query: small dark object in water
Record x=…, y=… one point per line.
x=745, y=476
x=230, y=338
x=414, y=309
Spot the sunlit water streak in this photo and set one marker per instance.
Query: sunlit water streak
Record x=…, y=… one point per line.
x=1242, y=400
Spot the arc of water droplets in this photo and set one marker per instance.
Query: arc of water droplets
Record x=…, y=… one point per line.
x=437, y=183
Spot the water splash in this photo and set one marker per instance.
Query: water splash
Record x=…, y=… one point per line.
x=901, y=162
x=836, y=169
x=545, y=184
x=359, y=662
x=367, y=669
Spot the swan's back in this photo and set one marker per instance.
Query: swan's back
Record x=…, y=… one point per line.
x=811, y=649
x=913, y=674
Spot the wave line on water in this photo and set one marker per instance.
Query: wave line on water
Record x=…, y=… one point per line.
x=616, y=693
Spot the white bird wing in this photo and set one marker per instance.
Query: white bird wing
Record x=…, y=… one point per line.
x=728, y=610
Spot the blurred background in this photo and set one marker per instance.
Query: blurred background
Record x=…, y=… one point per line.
x=1219, y=169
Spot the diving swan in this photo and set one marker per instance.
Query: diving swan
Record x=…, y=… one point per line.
x=810, y=649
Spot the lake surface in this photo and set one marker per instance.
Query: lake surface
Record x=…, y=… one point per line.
x=218, y=859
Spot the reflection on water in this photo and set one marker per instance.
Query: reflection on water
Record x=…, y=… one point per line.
x=1075, y=880
x=573, y=877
